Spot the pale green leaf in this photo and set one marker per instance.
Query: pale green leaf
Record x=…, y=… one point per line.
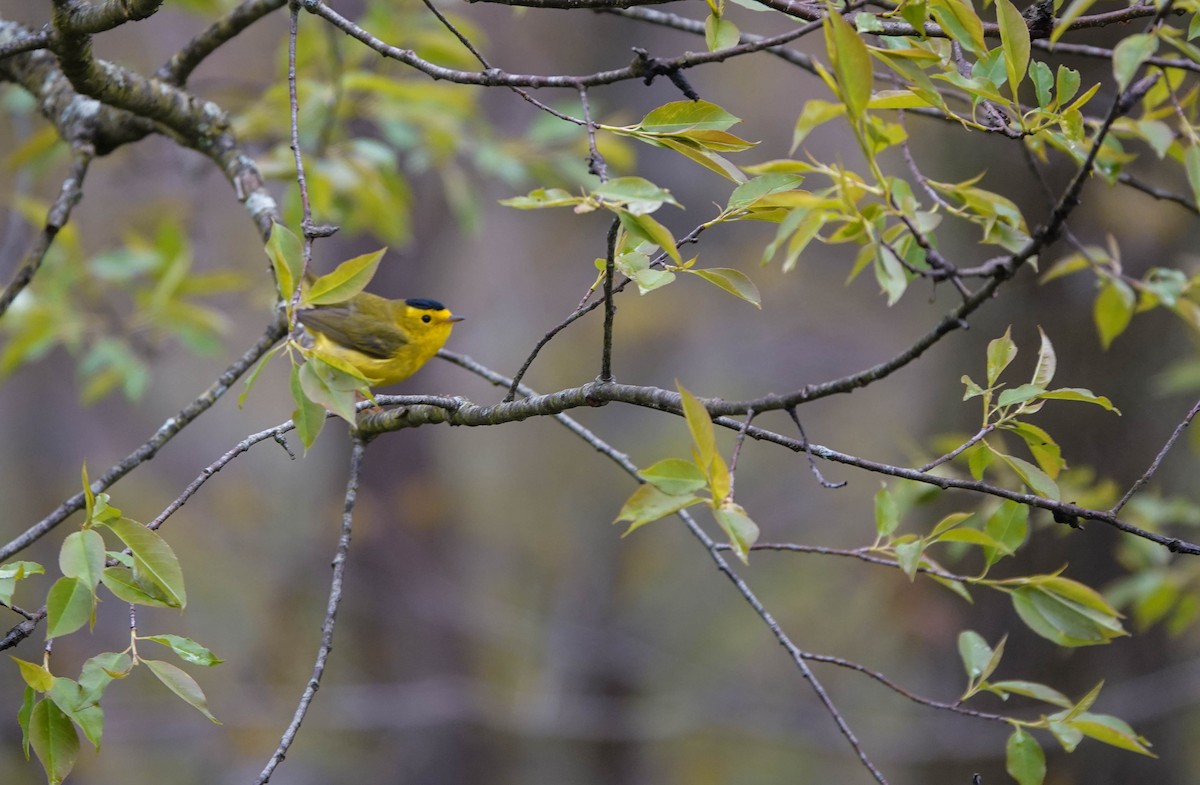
x=348, y=279
x=287, y=259
x=183, y=685
x=309, y=416
x=154, y=561
x=82, y=556
x=69, y=606
x=1023, y=758
x=186, y=649
x=738, y=527
x=54, y=740
x=648, y=504
x=851, y=63
x=975, y=654
x=1000, y=353
x=733, y=281
x=1113, y=309
x=1129, y=54
x=674, y=476
x=1031, y=689
x=887, y=513
x=1014, y=39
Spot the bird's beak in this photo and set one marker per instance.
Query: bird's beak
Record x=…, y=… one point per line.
x=456, y=318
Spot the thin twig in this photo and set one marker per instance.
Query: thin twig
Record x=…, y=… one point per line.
x=57, y=216
x=177, y=70
x=1158, y=459
x=206, y=474
x=165, y=432
x=331, y=608
x=610, y=307
x=959, y=449
x=812, y=463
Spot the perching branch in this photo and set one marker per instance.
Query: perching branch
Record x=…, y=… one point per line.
x=358, y=448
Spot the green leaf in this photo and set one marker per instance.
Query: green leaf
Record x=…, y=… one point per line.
x=1043, y=79
x=960, y=21
x=699, y=423
x=974, y=537
x=100, y=670
x=851, y=63
x=1024, y=759
x=308, y=417
x=1129, y=54
x=1077, y=9
x=127, y=588
x=331, y=388
x=1111, y=730
x=23, y=716
x=1021, y=394
x=253, y=377
x=738, y=527
x=1045, y=450
x=1014, y=39
x=979, y=458
x=1079, y=394
x=1009, y=525
x=1066, y=84
x=816, y=112
x=733, y=281
x=69, y=606
x=186, y=649
x=1034, y=478
x=154, y=562
x=181, y=684
x=680, y=116
x=35, y=676
x=1031, y=689
x=637, y=195
x=1000, y=353
x=975, y=654
x=674, y=476
x=890, y=273
x=1047, y=362
x=747, y=193
x=54, y=739
x=1060, y=616
x=949, y=522
x=908, y=556
x=82, y=557
x=287, y=259
x=645, y=228
x=648, y=504
x=720, y=33
x=348, y=279
x=887, y=513
x=89, y=498
x=1191, y=160
x=69, y=696
x=540, y=198
x=1113, y=309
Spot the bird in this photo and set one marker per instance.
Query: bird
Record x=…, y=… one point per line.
x=1039, y=18
x=385, y=340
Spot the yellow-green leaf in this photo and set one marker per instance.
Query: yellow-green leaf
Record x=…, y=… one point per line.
x=69, y=606
x=287, y=259
x=1113, y=310
x=738, y=527
x=733, y=281
x=183, y=685
x=674, y=476
x=1014, y=38
x=1129, y=55
x=36, y=676
x=851, y=62
x=348, y=279
x=648, y=504
x=700, y=425
x=54, y=739
x=154, y=561
x=1024, y=759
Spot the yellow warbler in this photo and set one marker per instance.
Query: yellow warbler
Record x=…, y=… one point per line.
x=385, y=340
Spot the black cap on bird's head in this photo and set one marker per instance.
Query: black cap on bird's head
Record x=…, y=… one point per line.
x=424, y=305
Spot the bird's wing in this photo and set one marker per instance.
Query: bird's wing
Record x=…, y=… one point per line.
x=382, y=341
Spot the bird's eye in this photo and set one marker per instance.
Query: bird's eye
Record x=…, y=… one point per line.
x=427, y=318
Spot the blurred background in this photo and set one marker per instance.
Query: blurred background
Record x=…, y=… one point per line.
x=495, y=626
